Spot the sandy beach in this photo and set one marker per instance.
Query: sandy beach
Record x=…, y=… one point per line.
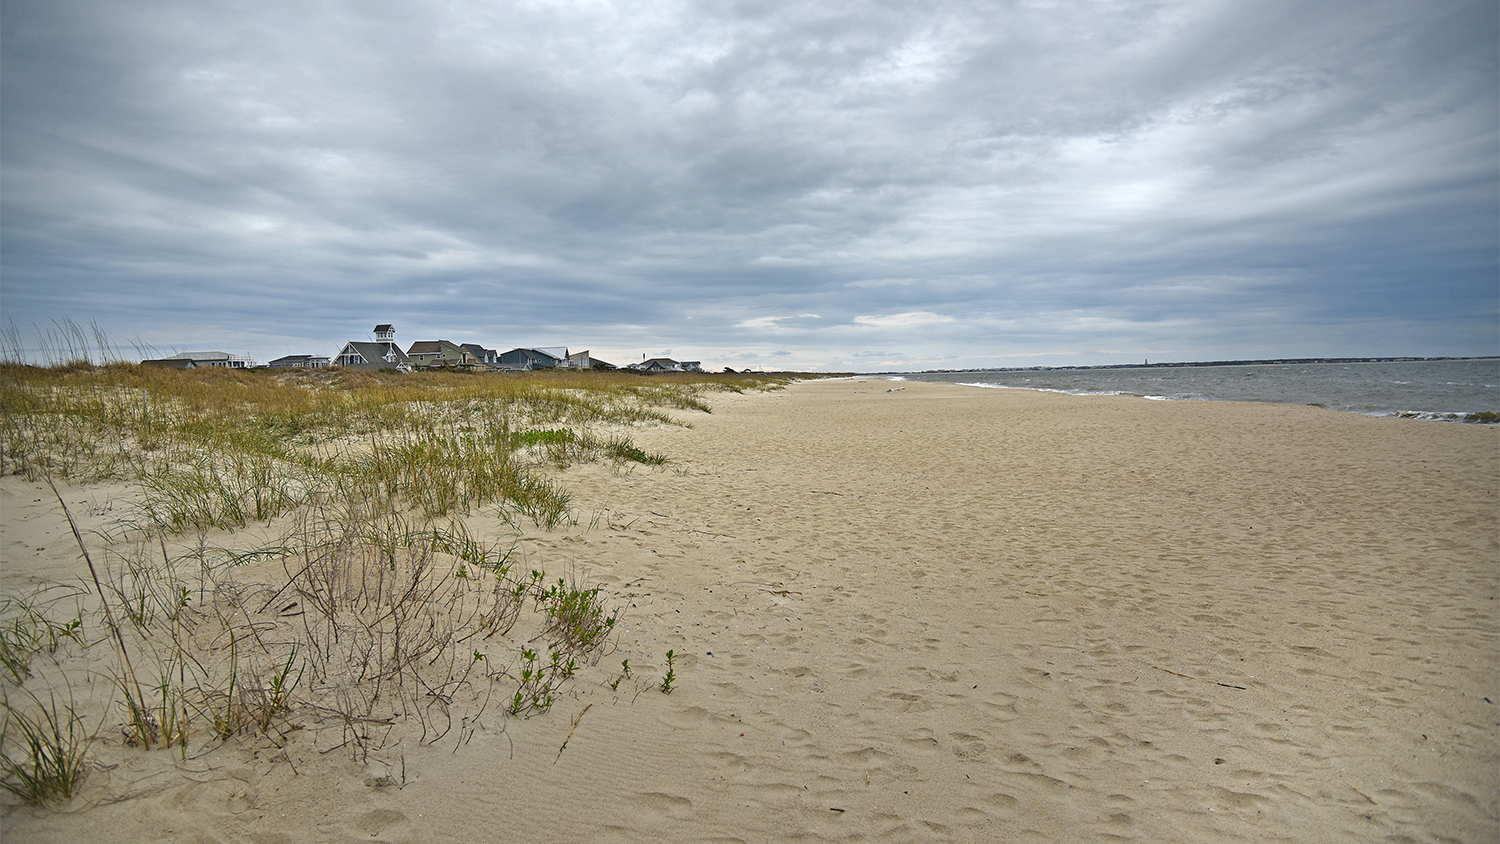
x=908, y=611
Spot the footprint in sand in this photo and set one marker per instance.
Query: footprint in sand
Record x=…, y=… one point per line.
x=691, y=716
x=376, y=821
x=657, y=806
x=908, y=702
x=968, y=748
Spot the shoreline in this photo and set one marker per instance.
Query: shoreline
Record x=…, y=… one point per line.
x=1190, y=363
x=1447, y=390
x=942, y=613
x=1481, y=417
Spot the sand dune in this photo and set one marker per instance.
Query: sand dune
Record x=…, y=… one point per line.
x=939, y=614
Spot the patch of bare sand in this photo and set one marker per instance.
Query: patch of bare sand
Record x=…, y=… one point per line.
x=950, y=614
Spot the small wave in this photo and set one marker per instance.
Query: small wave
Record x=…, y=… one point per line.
x=1480, y=417
x=1472, y=418
x=1061, y=392
x=1033, y=389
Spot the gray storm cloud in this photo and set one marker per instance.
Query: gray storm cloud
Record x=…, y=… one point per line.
x=855, y=185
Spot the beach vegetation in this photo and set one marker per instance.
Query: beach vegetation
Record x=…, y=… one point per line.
x=28, y=630
x=538, y=682
x=614, y=684
x=41, y=750
x=220, y=449
x=669, y=680
x=156, y=714
x=365, y=599
x=578, y=622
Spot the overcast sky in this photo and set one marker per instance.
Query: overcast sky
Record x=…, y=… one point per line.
x=834, y=185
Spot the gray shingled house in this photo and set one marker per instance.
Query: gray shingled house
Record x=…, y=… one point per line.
x=381, y=353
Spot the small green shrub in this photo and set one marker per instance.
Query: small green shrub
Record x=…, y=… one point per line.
x=625, y=451
x=577, y=621
x=525, y=439
x=538, y=681
x=670, y=678
x=614, y=684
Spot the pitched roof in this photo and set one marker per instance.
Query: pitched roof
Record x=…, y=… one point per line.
x=667, y=365
x=374, y=351
x=530, y=352
x=428, y=347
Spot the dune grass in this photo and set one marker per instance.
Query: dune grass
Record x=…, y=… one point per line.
x=372, y=604
x=29, y=627
x=223, y=448
x=41, y=750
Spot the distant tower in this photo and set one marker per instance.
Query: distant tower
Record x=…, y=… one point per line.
x=385, y=333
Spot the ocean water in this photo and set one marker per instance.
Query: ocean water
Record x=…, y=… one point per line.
x=1440, y=390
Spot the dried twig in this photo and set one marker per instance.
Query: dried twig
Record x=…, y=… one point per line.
x=576, y=719
x=1199, y=679
x=1362, y=794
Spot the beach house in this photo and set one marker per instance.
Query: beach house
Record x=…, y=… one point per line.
x=436, y=354
x=299, y=362
x=546, y=358
x=489, y=357
x=667, y=365
x=381, y=353
x=198, y=360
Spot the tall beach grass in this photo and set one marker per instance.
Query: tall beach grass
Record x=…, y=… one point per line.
x=222, y=448
x=372, y=603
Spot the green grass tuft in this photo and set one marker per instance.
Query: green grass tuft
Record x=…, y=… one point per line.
x=41, y=752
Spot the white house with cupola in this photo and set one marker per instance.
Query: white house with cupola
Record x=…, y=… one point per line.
x=381, y=353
